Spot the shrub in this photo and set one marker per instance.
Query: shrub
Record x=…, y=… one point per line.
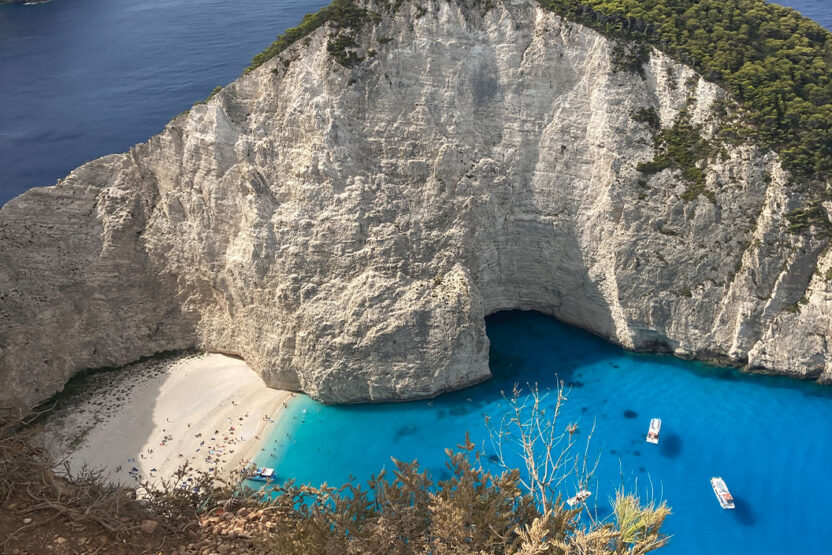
x=647, y=116
x=683, y=148
x=339, y=48
x=775, y=62
x=344, y=15
x=814, y=215
x=630, y=57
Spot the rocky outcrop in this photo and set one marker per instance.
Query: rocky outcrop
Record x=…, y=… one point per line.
x=346, y=230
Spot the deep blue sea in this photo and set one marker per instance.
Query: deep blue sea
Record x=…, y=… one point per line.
x=84, y=78
x=769, y=438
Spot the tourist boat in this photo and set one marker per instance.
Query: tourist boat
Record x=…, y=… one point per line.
x=726, y=500
x=263, y=474
x=653, y=432
x=578, y=498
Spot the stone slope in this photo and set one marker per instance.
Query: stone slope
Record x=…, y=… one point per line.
x=346, y=230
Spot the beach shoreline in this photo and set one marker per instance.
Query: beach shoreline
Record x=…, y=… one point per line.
x=142, y=423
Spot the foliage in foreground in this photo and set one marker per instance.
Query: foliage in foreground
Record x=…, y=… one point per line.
x=86, y=499
x=473, y=511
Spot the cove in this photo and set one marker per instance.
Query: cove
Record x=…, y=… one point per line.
x=767, y=436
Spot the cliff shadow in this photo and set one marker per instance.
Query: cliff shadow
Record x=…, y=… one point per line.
x=538, y=270
x=103, y=419
x=529, y=346
x=528, y=349
x=144, y=421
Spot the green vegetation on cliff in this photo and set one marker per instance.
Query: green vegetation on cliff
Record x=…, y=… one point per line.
x=682, y=147
x=344, y=15
x=776, y=63
x=472, y=510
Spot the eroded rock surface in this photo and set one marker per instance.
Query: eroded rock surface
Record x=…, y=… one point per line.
x=346, y=230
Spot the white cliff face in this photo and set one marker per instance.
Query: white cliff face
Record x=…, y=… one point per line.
x=347, y=230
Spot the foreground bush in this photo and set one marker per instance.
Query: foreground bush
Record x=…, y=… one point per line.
x=518, y=510
x=474, y=511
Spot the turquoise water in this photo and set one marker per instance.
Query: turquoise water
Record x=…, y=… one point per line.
x=768, y=437
x=85, y=78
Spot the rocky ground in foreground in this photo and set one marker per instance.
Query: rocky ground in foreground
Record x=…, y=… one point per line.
x=35, y=532
x=473, y=511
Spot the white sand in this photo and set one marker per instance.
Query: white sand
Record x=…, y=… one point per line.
x=157, y=421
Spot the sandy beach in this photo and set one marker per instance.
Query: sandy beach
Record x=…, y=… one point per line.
x=144, y=421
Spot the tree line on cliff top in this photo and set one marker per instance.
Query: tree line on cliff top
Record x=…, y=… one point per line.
x=776, y=63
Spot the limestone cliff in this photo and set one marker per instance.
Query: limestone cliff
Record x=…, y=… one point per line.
x=346, y=229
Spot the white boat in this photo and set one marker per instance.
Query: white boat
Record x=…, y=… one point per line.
x=262, y=474
x=653, y=432
x=726, y=500
x=578, y=498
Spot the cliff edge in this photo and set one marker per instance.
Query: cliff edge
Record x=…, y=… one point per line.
x=345, y=216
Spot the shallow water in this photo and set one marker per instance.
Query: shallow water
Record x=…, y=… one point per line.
x=768, y=437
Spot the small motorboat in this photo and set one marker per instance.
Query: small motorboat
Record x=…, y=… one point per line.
x=653, y=431
x=263, y=474
x=578, y=498
x=726, y=500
